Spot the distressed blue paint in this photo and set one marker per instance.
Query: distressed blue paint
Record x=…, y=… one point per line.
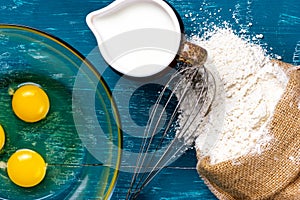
x=279, y=21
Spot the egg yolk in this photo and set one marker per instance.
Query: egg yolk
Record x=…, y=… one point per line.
x=2, y=137
x=26, y=168
x=30, y=103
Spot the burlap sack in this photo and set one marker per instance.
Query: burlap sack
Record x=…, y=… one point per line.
x=275, y=173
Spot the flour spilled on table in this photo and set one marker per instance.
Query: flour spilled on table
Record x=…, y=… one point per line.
x=249, y=87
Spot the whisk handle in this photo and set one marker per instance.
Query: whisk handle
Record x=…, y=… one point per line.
x=192, y=54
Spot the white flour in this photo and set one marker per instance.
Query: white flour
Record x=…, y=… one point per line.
x=248, y=88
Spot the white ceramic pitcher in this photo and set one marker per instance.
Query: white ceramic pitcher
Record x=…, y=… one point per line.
x=138, y=38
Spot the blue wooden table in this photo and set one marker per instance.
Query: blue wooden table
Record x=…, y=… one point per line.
x=278, y=21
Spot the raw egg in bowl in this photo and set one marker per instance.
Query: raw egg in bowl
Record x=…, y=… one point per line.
x=57, y=118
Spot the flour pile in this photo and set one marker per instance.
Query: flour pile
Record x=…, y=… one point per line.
x=249, y=86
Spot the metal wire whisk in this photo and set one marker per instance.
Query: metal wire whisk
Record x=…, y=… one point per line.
x=194, y=89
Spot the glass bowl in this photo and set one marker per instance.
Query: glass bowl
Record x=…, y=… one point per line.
x=80, y=139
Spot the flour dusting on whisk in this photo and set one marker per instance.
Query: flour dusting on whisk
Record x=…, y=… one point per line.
x=196, y=102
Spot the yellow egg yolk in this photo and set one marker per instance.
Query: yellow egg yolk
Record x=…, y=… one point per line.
x=26, y=168
x=2, y=137
x=30, y=103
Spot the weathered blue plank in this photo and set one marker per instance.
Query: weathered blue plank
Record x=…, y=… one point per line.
x=66, y=19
